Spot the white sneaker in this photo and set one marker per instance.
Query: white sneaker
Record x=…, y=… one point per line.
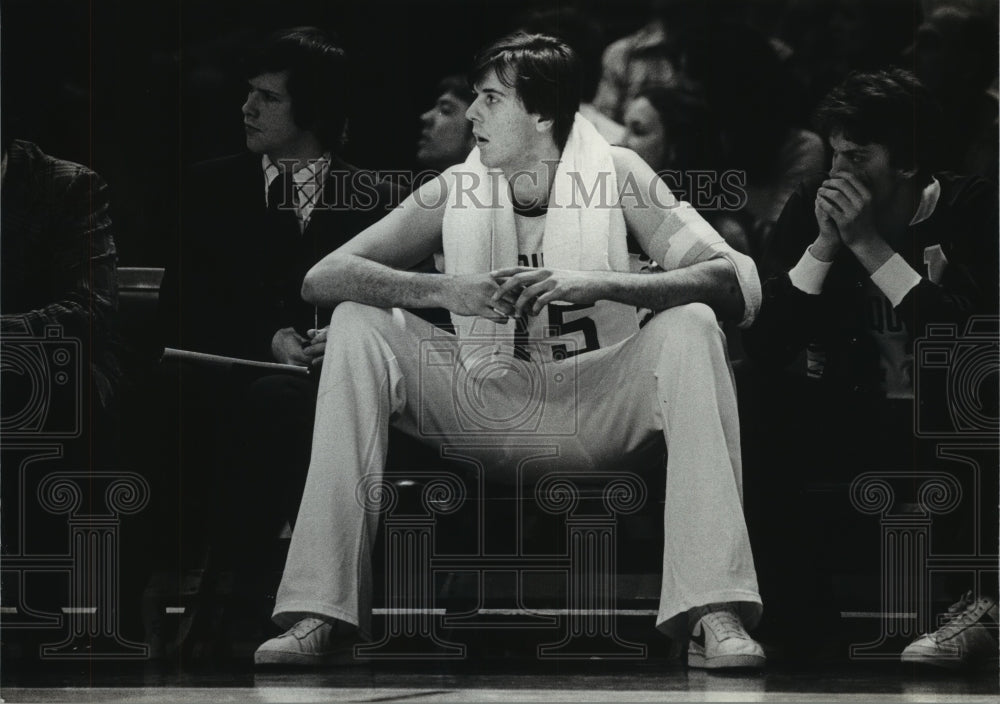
x=718, y=640
x=310, y=642
x=967, y=640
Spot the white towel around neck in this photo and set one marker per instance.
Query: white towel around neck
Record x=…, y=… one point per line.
x=584, y=227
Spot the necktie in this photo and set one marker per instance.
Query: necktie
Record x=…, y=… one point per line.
x=281, y=193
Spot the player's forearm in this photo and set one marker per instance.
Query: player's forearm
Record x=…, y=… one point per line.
x=711, y=282
x=347, y=277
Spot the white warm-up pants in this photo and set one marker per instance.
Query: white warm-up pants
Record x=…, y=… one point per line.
x=387, y=367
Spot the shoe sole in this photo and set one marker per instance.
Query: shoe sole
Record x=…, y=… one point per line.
x=931, y=661
x=746, y=662
x=950, y=664
x=278, y=657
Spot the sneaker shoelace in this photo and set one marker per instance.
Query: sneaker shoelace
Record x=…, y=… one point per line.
x=304, y=627
x=724, y=624
x=962, y=617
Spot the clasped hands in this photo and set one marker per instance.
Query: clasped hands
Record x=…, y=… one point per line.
x=289, y=347
x=845, y=214
x=516, y=292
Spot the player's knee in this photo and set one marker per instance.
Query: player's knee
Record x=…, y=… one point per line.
x=350, y=318
x=686, y=321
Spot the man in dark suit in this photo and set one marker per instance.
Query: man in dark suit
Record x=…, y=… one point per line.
x=885, y=251
x=251, y=226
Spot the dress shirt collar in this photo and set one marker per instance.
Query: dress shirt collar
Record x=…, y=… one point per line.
x=928, y=202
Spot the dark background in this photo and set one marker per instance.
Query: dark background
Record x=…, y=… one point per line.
x=137, y=89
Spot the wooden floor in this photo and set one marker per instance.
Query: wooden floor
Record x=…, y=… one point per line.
x=499, y=665
x=496, y=681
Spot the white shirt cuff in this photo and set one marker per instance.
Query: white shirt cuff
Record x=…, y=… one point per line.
x=810, y=273
x=895, y=279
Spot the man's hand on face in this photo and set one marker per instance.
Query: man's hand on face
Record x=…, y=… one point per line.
x=828, y=242
x=533, y=289
x=315, y=347
x=848, y=202
x=287, y=347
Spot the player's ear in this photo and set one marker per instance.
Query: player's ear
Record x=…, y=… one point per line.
x=544, y=124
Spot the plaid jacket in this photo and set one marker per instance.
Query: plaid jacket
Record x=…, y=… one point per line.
x=59, y=259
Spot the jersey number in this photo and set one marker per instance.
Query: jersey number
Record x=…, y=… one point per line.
x=583, y=325
x=561, y=328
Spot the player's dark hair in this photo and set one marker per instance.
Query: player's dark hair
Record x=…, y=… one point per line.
x=891, y=108
x=580, y=32
x=544, y=73
x=317, y=78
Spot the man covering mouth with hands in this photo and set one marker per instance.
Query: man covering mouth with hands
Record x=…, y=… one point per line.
x=880, y=253
x=865, y=205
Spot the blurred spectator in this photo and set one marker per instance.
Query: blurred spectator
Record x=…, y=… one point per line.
x=752, y=98
x=643, y=58
x=954, y=55
x=655, y=55
x=674, y=132
x=446, y=138
x=831, y=38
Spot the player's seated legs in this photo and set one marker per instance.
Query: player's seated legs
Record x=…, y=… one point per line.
x=311, y=641
x=674, y=377
x=371, y=374
x=376, y=372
